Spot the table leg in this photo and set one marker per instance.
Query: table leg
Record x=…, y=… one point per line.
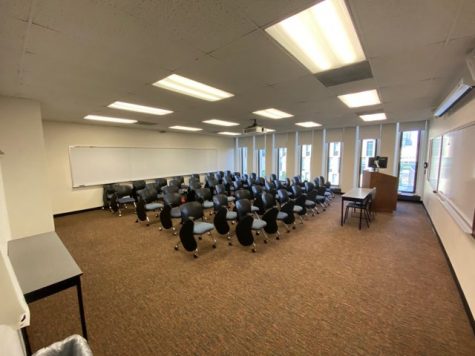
x=81, y=308
x=342, y=202
x=26, y=340
x=361, y=213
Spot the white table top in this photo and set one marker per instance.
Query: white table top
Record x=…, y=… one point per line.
x=40, y=261
x=358, y=193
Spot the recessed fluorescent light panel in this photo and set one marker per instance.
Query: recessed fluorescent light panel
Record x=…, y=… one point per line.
x=186, y=86
x=272, y=113
x=185, y=128
x=229, y=133
x=374, y=117
x=220, y=122
x=138, y=108
x=308, y=124
x=322, y=37
x=362, y=98
x=109, y=119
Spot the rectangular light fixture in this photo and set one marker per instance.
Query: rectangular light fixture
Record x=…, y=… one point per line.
x=109, y=119
x=272, y=113
x=220, y=122
x=374, y=117
x=229, y=133
x=182, y=85
x=362, y=98
x=308, y=124
x=322, y=37
x=185, y=128
x=138, y=108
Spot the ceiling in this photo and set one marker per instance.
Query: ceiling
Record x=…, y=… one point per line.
x=76, y=57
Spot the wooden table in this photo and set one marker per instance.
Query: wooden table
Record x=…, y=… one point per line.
x=43, y=266
x=359, y=195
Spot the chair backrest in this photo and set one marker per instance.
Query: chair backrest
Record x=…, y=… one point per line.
x=220, y=201
x=107, y=194
x=244, y=231
x=297, y=180
x=309, y=187
x=170, y=189
x=161, y=182
x=242, y=194
x=270, y=186
x=193, y=185
x=181, y=179
x=253, y=175
x=192, y=209
x=261, y=181
x=122, y=190
x=174, y=183
x=220, y=189
x=190, y=195
x=147, y=195
x=203, y=194
x=193, y=179
x=268, y=200
x=138, y=185
x=297, y=190
x=273, y=177
x=166, y=217
x=256, y=190
x=220, y=222
x=237, y=184
x=289, y=209
x=172, y=199
x=243, y=208
x=270, y=217
x=186, y=236
x=282, y=196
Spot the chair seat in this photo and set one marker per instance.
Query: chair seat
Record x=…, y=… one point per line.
x=320, y=198
x=230, y=199
x=201, y=227
x=207, y=204
x=297, y=209
x=258, y=224
x=125, y=200
x=175, y=212
x=231, y=215
x=159, y=196
x=309, y=203
x=281, y=215
x=153, y=206
x=254, y=208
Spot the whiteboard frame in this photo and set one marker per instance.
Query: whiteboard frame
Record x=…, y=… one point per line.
x=74, y=185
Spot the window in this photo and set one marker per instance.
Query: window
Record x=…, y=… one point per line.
x=368, y=149
x=261, y=163
x=243, y=160
x=305, y=155
x=408, y=161
x=282, y=163
x=334, y=163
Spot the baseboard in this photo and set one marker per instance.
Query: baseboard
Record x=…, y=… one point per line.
x=76, y=212
x=454, y=276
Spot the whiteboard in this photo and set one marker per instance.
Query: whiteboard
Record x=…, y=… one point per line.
x=93, y=165
x=457, y=172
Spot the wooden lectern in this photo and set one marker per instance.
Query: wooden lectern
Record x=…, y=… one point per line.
x=386, y=190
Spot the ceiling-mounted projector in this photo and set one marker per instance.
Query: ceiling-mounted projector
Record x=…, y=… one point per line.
x=255, y=129
x=462, y=88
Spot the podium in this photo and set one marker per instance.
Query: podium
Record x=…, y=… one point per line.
x=386, y=190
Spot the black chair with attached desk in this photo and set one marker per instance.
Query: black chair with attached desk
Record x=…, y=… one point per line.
x=146, y=202
x=221, y=225
x=123, y=195
x=221, y=201
x=193, y=212
x=243, y=208
x=203, y=195
x=244, y=232
x=107, y=194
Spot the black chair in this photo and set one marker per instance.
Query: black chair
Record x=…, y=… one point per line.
x=244, y=232
x=221, y=225
x=243, y=208
x=289, y=220
x=193, y=211
x=245, y=194
x=187, y=238
x=270, y=187
x=273, y=177
x=270, y=217
x=307, y=203
x=107, y=194
x=123, y=195
x=170, y=189
x=364, y=208
x=173, y=200
x=146, y=202
x=193, y=185
x=221, y=201
x=166, y=219
x=160, y=182
x=203, y=195
x=138, y=185
x=221, y=189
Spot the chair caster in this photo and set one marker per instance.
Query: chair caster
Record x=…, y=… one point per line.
x=253, y=250
x=230, y=243
x=277, y=237
x=293, y=227
x=200, y=238
x=174, y=234
x=147, y=225
x=136, y=221
x=160, y=228
x=195, y=255
x=176, y=248
x=214, y=245
x=257, y=233
x=265, y=241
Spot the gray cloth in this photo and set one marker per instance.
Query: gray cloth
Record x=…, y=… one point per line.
x=74, y=345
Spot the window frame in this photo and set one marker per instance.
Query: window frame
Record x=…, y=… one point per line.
x=417, y=160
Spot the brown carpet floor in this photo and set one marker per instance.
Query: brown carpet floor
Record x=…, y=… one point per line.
x=321, y=290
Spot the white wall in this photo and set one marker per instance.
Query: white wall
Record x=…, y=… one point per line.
x=24, y=167
x=59, y=136
x=460, y=247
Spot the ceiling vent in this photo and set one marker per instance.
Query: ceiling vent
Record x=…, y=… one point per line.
x=461, y=89
x=351, y=73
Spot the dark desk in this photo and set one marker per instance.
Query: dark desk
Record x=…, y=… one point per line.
x=43, y=266
x=360, y=195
